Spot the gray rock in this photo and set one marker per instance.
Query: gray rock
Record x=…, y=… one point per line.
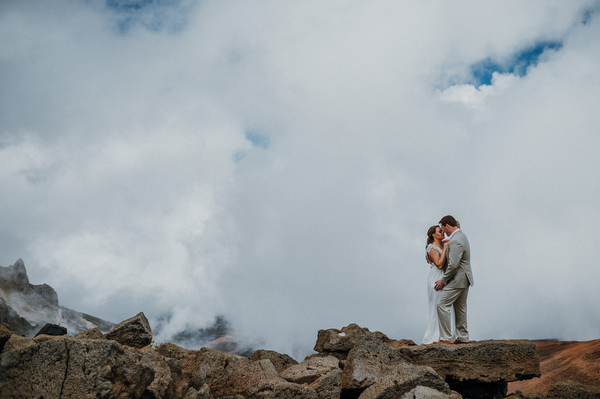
x=280, y=361
x=339, y=342
x=428, y=393
x=203, y=393
x=483, y=361
x=162, y=386
x=310, y=369
x=374, y=368
x=329, y=386
x=228, y=374
x=37, y=303
x=52, y=366
x=174, y=351
x=280, y=390
x=5, y=333
x=10, y=317
x=92, y=333
x=134, y=332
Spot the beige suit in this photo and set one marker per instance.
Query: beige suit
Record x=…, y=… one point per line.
x=457, y=278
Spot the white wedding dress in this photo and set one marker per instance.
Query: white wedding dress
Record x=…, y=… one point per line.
x=432, y=334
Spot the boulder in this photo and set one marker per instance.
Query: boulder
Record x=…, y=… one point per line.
x=478, y=369
x=280, y=389
x=92, y=333
x=61, y=366
x=203, y=393
x=5, y=333
x=484, y=361
x=280, y=361
x=329, y=386
x=227, y=374
x=310, y=369
x=374, y=370
x=166, y=373
x=428, y=393
x=174, y=351
x=134, y=332
x=338, y=343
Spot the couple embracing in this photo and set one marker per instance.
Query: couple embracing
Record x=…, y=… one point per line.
x=448, y=282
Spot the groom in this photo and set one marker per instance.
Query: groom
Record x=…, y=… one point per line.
x=454, y=283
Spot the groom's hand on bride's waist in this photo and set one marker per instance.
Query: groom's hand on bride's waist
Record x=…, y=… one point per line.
x=438, y=285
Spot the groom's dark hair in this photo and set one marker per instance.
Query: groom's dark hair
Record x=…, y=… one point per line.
x=449, y=220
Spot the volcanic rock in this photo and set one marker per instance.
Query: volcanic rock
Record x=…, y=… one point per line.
x=428, y=393
x=572, y=389
x=379, y=372
x=27, y=307
x=338, y=343
x=5, y=332
x=61, y=366
x=563, y=360
x=228, y=374
x=92, y=333
x=329, y=385
x=479, y=367
x=134, y=332
x=310, y=369
x=354, y=363
x=280, y=361
x=280, y=389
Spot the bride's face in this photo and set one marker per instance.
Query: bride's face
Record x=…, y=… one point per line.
x=439, y=233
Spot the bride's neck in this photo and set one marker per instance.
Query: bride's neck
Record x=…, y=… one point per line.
x=438, y=242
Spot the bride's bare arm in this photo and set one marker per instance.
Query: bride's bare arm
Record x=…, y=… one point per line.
x=437, y=259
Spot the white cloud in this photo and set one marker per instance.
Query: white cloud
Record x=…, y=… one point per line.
x=126, y=191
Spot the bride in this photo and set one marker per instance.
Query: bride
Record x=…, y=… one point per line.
x=436, y=257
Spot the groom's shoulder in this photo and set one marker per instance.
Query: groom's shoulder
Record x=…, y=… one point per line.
x=461, y=235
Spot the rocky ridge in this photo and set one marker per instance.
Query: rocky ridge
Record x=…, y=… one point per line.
x=27, y=307
x=351, y=362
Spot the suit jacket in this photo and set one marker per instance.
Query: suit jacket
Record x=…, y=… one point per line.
x=458, y=272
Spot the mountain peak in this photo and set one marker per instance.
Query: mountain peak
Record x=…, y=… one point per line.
x=28, y=307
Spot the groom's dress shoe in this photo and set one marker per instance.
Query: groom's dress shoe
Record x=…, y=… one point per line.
x=443, y=342
x=461, y=342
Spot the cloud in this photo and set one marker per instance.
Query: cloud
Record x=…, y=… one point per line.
x=280, y=165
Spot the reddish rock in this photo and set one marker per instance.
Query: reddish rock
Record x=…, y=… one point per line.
x=563, y=360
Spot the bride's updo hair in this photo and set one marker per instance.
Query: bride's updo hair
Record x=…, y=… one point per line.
x=430, y=234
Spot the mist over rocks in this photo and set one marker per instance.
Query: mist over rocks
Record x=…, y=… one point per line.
x=351, y=362
x=27, y=307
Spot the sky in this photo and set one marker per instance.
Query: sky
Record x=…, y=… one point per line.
x=279, y=163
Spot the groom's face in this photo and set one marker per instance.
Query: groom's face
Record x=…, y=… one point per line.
x=445, y=228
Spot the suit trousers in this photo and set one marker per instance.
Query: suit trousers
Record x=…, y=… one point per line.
x=457, y=298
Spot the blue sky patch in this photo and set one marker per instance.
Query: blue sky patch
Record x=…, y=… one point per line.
x=482, y=71
x=257, y=139
x=154, y=15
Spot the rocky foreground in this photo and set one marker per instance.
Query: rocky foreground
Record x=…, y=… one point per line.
x=350, y=363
